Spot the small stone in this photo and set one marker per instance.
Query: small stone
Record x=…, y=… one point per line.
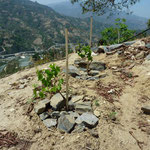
x=79, y=128
x=66, y=123
x=146, y=109
x=76, y=99
x=57, y=102
x=39, y=108
x=73, y=71
x=22, y=86
x=83, y=107
x=55, y=114
x=88, y=119
x=93, y=78
x=44, y=116
x=99, y=66
x=50, y=123
x=45, y=102
x=97, y=113
x=63, y=113
x=93, y=73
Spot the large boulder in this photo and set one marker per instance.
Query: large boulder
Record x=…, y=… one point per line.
x=88, y=119
x=57, y=102
x=66, y=123
x=99, y=66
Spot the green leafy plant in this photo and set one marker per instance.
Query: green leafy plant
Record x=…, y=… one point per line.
x=117, y=34
x=148, y=23
x=96, y=103
x=85, y=52
x=50, y=81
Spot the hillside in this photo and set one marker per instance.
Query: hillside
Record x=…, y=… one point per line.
x=66, y=8
x=118, y=99
x=26, y=26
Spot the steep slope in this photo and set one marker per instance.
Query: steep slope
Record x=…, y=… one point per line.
x=66, y=8
x=26, y=25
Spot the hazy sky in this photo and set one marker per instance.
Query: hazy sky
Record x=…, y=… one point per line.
x=141, y=9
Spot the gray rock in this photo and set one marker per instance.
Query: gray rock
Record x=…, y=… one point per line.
x=62, y=113
x=80, y=63
x=78, y=98
x=146, y=109
x=79, y=128
x=129, y=43
x=57, y=102
x=66, y=123
x=148, y=57
x=83, y=107
x=93, y=78
x=50, y=123
x=93, y=73
x=99, y=66
x=46, y=102
x=39, y=107
x=73, y=71
x=88, y=119
x=55, y=114
x=147, y=45
x=71, y=105
x=95, y=49
x=44, y=116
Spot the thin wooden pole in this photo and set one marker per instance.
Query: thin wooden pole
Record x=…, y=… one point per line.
x=91, y=26
x=67, y=84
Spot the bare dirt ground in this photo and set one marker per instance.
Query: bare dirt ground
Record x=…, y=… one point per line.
x=130, y=130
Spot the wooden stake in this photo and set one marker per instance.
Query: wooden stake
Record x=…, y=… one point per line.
x=91, y=31
x=67, y=85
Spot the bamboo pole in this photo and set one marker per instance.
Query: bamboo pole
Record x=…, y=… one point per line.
x=67, y=85
x=91, y=26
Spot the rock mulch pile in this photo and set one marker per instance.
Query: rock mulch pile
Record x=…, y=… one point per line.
x=79, y=117
x=79, y=70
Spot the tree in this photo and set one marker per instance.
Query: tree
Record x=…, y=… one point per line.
x=116, y=34
x=102, y=6
x=148, y=23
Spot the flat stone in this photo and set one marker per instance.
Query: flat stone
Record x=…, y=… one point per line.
x=129, y=43
x=93, y=78
x=66, y=123
x=57, y=102
x=39, y=108
x=99, y=66
x=79, y=128
x=147, y=45
x=44, y=116
x=73, y=71
x=146, y=109
x=88, y=119
x=78, y=98
x=93, y=72
x=83, y=107
x=50, y=123
x=46, y=102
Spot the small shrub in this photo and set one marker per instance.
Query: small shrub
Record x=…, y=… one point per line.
x=50, y=80
x=85, y=52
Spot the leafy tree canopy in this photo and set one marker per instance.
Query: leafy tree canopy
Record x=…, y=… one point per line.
x=148, y=23
x=102, y=6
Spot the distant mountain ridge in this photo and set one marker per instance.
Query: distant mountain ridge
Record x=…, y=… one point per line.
x=27, y=25
x=68, y=9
